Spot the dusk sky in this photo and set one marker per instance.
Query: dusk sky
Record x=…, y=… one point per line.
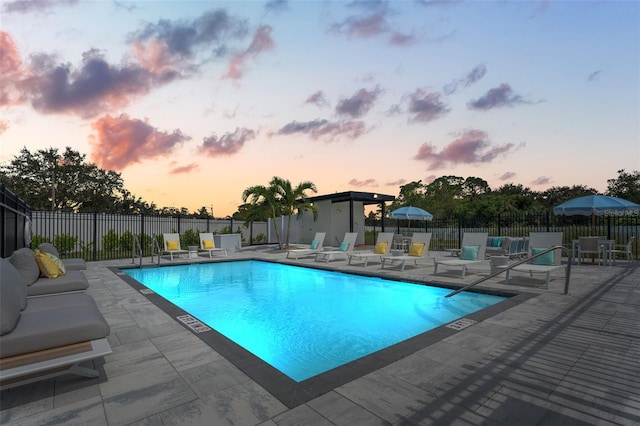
x=194, y=101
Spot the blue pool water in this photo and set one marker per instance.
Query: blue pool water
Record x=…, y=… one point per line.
x=306, y=321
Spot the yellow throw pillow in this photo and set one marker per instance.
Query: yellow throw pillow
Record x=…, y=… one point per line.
x=416, y=249
x=172, y=245
x=49, y=265
x=381, y=248
x=61, y=269
x=208, y=244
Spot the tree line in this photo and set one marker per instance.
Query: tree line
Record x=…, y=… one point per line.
x=49, y=179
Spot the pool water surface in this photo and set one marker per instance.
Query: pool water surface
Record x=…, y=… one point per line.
x=305, y=321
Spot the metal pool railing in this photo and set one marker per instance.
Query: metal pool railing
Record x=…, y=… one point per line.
x=520, y=262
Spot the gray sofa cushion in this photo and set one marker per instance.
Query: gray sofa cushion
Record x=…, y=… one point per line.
x=9, y=275
x=48, y=248
x=40, y=330
x=9, y=308
x=75, y=264
x=24, y=260
x=71, y=281
x=58, y=301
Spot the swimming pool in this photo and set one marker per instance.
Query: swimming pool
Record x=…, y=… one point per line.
x=302, y=321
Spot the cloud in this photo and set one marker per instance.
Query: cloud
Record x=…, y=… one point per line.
x=121, y=141
x=317, y=99
x=466, y=80
x=4, y=125
x=398, y=182
x=472, y=147
x=594, y=75
x=276, y=6
x=542, y=180
x=360, y=183
x=325, y=129
x=501, y=96
x=227, y=144
x=507, y=176
x=364, y=27
x=12, y=72
x=262, y=42
x=95, y=87
x=401, y=39
x=183, y=39
x=426, y=107
x=359, y=104
x=22, y=6
x=184, y=169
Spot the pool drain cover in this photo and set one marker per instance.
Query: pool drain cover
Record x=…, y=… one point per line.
x=146, y=291
x=193, y=323
x=462, y=323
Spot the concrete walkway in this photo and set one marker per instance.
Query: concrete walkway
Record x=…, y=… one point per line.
x=552, y=360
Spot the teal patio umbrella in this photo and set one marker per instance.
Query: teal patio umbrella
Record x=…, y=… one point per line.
x=410, y=213
x=597, y=205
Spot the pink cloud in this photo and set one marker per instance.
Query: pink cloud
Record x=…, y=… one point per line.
x=507, y=176
x=262, y=42
x=359, y=104
x=317, y=99
x=472, y=147
x=227, y=144
x=426, y=107
x=542, y=180
x=501, y=96
x=398, y=182
x=184, y=169
x=368, y=26
x=371, y=183
x=12, y=73
x=121, y=141
x=325, y=129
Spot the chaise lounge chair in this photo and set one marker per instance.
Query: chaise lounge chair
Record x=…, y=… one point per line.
x=347, y=246
x=171, y=244
x=73, y=264
x=24, y=261
x=545, y=264
x=46, y=336
x=314, y=247
x=472, y=252
x=382, y=248
x=207, y=243
x=418, y=249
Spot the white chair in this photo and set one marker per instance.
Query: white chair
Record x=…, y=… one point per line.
x=171, y=245
x=314, y=247
x=472, y=252
x=546, y=263
x=624, y=249
x=347, y=246
x=207, y=243
x=591, y=245
x=382, y=248
x=418, y=249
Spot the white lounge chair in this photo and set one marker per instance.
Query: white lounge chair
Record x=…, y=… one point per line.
x=545, y=264
x=171, y=244
x=207, y=243
x=347, y=246
x=418, y=249
x=623, y=249
x=314, y=247
x=382, y=248
x=472, y=252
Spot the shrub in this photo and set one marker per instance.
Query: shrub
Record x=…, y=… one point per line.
x=36, y=240
x=190, y=238
x=126, y=241
x=65, y=243
x=110, y=240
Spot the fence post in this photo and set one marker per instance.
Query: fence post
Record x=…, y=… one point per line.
x=460, y=231
x=142, y=244
x=499, y=224
x=548, y=219
x=95, y=235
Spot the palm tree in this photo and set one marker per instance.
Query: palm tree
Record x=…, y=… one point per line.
x=294, y=199
x=281, y=199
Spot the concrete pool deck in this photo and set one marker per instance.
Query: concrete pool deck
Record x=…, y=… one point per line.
x=552, y=359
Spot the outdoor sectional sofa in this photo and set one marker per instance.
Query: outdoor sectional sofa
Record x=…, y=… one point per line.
x=46, y=336
x=25, y=262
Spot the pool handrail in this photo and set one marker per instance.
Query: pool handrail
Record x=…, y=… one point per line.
x=520, y=262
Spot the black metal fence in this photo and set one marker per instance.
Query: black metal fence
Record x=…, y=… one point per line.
x=15, y=216
x=99, y=236
x=447, y=232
